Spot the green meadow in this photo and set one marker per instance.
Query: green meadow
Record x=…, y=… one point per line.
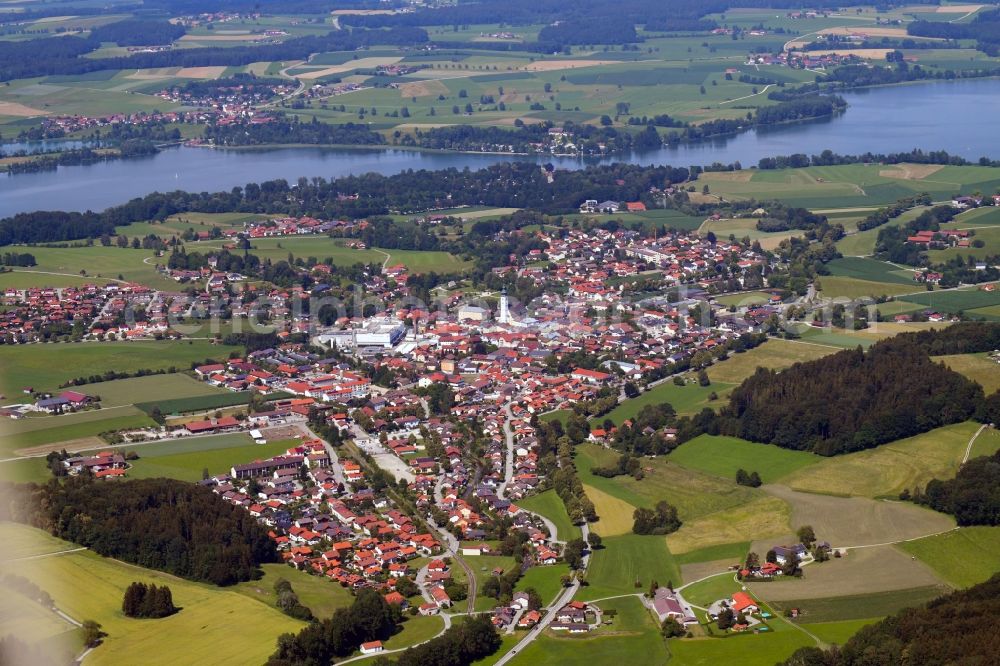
x=44, y=367
x=723, y=456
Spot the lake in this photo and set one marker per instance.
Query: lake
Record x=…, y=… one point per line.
x=956, y=116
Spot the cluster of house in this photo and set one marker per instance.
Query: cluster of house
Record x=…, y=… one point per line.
x=194, y=20
x=803, y=59
x=59, y=125
x=238, y=98
x=323, y=519
x=293, y=226
x=290, y=369
x=32, y=314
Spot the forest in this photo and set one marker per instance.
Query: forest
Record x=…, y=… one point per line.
x=959, y=628
x=368, y=618
x=161, y=524
x=985, y=29
x=289, y=131
x=465, y=643
x=972, y=497
x=864, y=399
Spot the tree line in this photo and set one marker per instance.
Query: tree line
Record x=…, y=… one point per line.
x=164, y=524
x=972, y=497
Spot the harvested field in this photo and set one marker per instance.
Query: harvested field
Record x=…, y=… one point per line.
x=557, y=65
x=910, y=171
x=153, y=74
x=222, y=38
x=423, y=88
x=866, y=30
x=887, y=470
x=615, y=514
x=19, y=110
x=882, y=569
x=362, y=12
x=201, y=72
x=958, y=9
x=758, y=519
x=360, y=63
x=71, y=445
x=872, y=54
x=859, y=521
x=699, y=570
x=742, y=176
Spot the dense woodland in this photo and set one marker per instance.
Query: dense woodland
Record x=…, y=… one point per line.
x=162, y=524
x=956, y=629
x=855, y=400
x=368, y=618
x=463, y=644
x=984, y=28
x=973, y=496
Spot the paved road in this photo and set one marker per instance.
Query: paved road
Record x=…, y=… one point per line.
x=550, y=611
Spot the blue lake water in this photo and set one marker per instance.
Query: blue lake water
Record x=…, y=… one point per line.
x=957, y=116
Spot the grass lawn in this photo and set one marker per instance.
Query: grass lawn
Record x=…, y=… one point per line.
x=320, y=595
x=838, y=632
x=80, y=428
x=28, y=279
x=977, y=367
x=887, y=470
x=547, y=581
x=723, y=456
x=963, y=557
x=150, y=388
x=45, y=366
x=835, y=286
x=858, y=606
x=20, y=541
x=216, y=625
x=321, y=247
x=745, y=298
x=549, y=505
x=101, y=262
x=687, y=399
x=986, y=444
x=774, y=354
x=758, y=650
x=625, y=559
x=728, y=551
x=557, y=415
x=188, y=466
x=693, y=493
x=482, y=568
x=704, y=592
x=632, y=638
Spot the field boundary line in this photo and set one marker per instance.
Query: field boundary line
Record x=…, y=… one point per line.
x=968, y=449
x=42, y=556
